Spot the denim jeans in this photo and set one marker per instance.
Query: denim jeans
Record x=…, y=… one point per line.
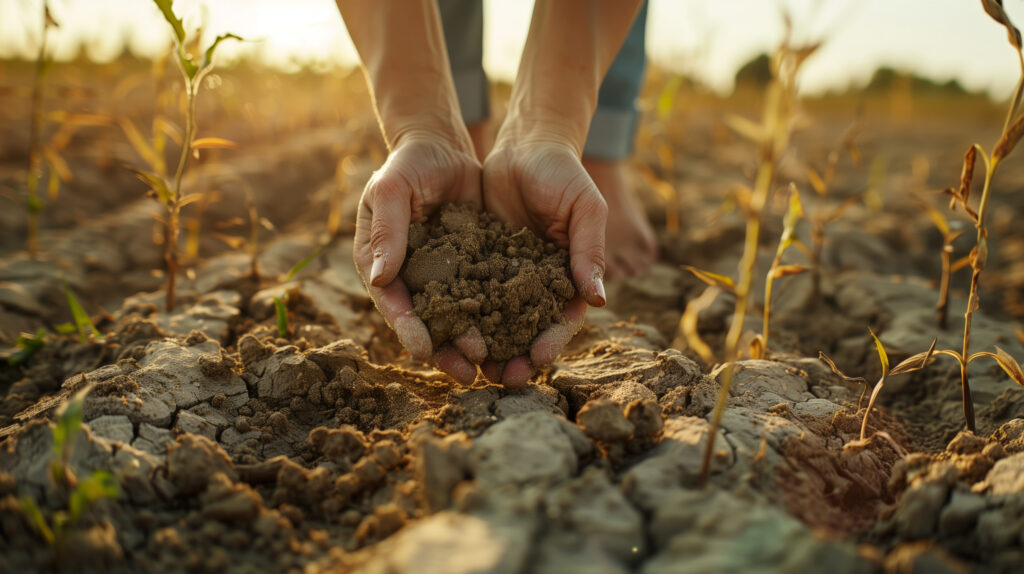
x=613, y=127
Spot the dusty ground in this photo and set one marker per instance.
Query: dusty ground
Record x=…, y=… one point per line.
x=331, y=451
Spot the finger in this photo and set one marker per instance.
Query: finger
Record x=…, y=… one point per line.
x=491, y=371
x=458, y=367
x=587, y=221
x=396, y=306
x=388, y=199
x=472, y=345
x=549, y=344
x=517, y=373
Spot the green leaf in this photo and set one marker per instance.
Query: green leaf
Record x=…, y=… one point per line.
x=187, y=65
x=27, y=345
x=167, y=10
x=882, y=355
x=282, y=317
x=31, y=510
x=97, y=486
x=208, y=55
x=69, y=424
x=65, y=328
x=157, y=184
x=82, y=321
x=302, y=264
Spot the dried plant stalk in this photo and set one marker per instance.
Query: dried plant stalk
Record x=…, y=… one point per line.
x=1013, y=130
x=773, y=136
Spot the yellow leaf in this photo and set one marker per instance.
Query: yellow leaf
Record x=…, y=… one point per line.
x=788, y=270
x=746, y=128
x=882, y=355
x=817, y=183
x=713, y=279
x=213, y=143
x=688, y=323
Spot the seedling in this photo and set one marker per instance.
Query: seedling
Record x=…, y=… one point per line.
x=35, y=152
x=777, y=269
x=949, y=235
x=909, y=365
x=772, y=136
x=250, y=245
x=26, y=346
x=281, y=303
x=169, y=194
x=1013, y=131
x=99, y=485
x=82, y=322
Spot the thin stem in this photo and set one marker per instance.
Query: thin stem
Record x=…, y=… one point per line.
x=34, y=162
x=174, y=210
x=972, y=299
x=732, y=338
x=769, y=283
x=942, y=307
x=1017, y=94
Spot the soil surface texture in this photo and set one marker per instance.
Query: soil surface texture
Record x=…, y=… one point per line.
x=468, y=270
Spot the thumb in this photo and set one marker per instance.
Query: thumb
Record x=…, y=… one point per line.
x=587, y=220
x=388, y=199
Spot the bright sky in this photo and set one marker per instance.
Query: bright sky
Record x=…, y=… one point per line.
x=709, y=39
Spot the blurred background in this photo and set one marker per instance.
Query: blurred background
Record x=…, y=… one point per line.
x=940, y=40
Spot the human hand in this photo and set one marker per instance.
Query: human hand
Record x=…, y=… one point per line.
x=422, y=173
x=537, y=180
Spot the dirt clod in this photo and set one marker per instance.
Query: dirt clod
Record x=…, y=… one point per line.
x=467, y=269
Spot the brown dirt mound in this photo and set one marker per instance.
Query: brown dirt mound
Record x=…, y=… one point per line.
x=467, y=269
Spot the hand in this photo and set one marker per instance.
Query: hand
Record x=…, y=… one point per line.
x=539, y=182
x=422, y=173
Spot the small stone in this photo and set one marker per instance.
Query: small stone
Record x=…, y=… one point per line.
x=645, y=416
x=279, y=422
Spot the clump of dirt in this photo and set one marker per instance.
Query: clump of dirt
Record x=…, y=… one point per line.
x=467, y=269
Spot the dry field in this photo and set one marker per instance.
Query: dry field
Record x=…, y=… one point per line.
x=272, y=422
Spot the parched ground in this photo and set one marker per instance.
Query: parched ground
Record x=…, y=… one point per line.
x=330, y=450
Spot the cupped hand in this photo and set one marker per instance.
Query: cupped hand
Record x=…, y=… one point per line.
x=422, y=173
x=540, y=183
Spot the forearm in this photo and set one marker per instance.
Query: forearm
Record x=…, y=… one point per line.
x=570, y=47
x=402, y=49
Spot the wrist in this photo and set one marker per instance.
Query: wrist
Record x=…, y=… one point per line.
x=530, y=123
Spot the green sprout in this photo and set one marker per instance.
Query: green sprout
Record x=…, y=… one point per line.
x=169, y=193
x=82, y=322
x=98, y=485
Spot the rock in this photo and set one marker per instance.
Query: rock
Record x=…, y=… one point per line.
x=193, y=460
x=595, y=509
x=997, y=529
x=818, y=408
x=658, y=371
x=602, y=420
x=960, y=513
x=1007, y=475
x=113, y=427
x=451, y=543
x=337, y=356
x=922, y=558
x=533, y=448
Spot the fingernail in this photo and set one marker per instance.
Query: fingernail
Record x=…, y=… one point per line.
x=377, y=271
x=599, y=292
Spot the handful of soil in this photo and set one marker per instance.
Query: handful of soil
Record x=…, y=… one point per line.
x=468, y=269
